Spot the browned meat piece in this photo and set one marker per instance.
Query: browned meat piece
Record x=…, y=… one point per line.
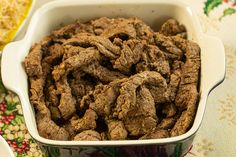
x=190, y=72
x=116, y=130
x=145, y=104
x=67, y=126
x=172, y=27
x=72, y=29
x=176, y=65
x=87, y=122
x=103, y=136
x=123, y=26
x=105, y=98
x=187, y=94
x=55, y=113
x=71, y=51
x=103, y=44
x=55, y=54
x=82, y=59
x=101, y=24
x=139, y=125
x=167, y=123
x=32, y=62
x=156, y=134
x=66, y=31
x=67, y=101
x=53, y=96
x=130, y=55
x=168, y=46
x=174, y=84
x=190, y=69
x=122, y=30
x=153, y=60
x=143, y=31
x=80, y=87
x=88, y=135
x=127, y=98
x=48, y=129
x=185, y=121
x=143, y=114
x=169, y=110
x=159, y=91
x=37, y=96
x=118, y=42
x=102, y=73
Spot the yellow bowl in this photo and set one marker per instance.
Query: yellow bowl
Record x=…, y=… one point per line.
x=18, y=25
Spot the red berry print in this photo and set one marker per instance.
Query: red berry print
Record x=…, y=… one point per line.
x=19, y=147
x=3, y=106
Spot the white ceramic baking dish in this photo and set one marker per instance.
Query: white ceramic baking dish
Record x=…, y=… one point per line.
x=153, y=12
x=5, y=148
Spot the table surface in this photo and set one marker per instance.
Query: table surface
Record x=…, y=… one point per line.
x=216, y=136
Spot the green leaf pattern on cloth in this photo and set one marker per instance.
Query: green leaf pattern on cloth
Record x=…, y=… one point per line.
x=228, y=11
x=210, y=5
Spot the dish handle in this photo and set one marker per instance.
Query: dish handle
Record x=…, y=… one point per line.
x=214, y=52
x=10, y=68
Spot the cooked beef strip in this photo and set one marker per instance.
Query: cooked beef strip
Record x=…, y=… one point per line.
x=88, y=135
x=71, y=51
x=167, y=123
x=130, y=55
x=121, y=30
x=116, y=130
x=102, y=73
x=79, y=88
x=32, y=62
x=145, y=104
x=48, y=129
x=153, y=59
x=101, y=24
x=105, y=98
x=187, y=95
x=103, y=44
x=143, y=31
x=67, y=126
x=143, y=114
x=190, y=70
x=88, y=121
x=53, y=95
x=56, y=52
x=127, y=98
x=156, y=134
x=168, y=45
x=55, y=113
x=84, y=58
x=67, y=101
x=186, y=119
x=69, y=30
x=173, y=85
x=133, y=124
x=169, y=109
x=172, y=27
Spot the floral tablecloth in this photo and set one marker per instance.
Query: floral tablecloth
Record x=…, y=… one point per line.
x=217, y=134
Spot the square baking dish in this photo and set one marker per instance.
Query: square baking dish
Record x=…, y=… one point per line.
x=153, y=12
